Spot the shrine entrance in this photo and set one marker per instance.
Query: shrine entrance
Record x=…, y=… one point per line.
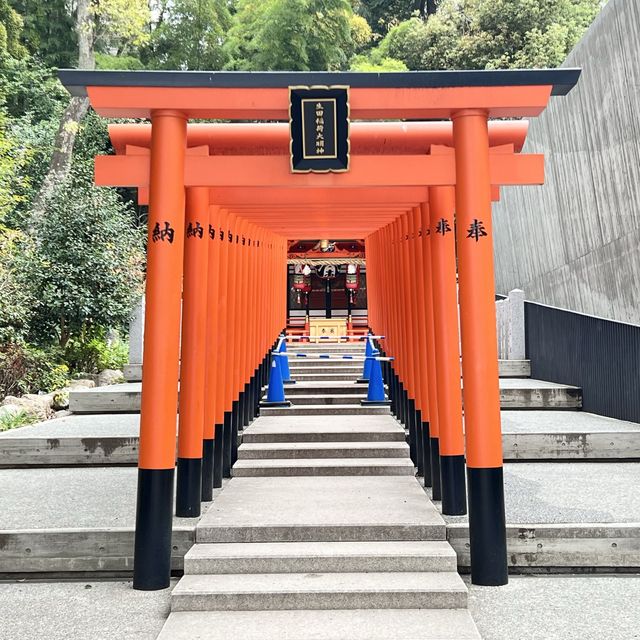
x=340, y=161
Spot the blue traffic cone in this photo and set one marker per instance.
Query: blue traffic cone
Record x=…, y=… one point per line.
x=283, y=361
x=375, y=393
x=366, y=370
x=275, y=392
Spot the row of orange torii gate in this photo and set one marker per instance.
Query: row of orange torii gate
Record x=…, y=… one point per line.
x=223, y=202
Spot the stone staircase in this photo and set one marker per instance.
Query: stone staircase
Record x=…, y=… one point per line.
x=327, y=387
x=323, y=531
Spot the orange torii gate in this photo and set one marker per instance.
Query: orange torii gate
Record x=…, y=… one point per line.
x=249, y=201
x=383, y=138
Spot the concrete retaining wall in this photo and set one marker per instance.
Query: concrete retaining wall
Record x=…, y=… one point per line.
x=573, y=243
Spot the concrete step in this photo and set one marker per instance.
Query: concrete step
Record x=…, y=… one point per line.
x=116, y=398
x=317, y=430
x=323, y=467
x=354, y=347
x=330, y=363
x=317, y=399
x=301, y=450
x=294, y=591
x=508, y=368
x=319, y=509
x=326, y=377
x=112, y=439
x=538, y=394
x=320, y=557
x=514, y=368
x=325, y=410
x=337, y=369
x=328, y=388
x=339, y=624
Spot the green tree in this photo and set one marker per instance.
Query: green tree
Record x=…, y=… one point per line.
x=384, y=14
x=28, y=88
x=189, y=35
x=292, y=35
x=15, y=299
x=103, y=25
x=83, y=263
x=377, y=64
x=10, y=32
x=48, y=32
x=491, y=34
x=530, y=33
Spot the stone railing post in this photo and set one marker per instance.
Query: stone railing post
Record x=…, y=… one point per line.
x=510, y=326
x=136, y=333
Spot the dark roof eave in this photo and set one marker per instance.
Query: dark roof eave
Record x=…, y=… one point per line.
x=562, y=80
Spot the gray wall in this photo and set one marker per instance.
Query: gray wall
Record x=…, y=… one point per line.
x=575, y=242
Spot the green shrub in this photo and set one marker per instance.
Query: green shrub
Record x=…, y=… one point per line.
x=84, y=266
x=15, y=299
x=24, y=369
x=15, y=420
x=93, y=354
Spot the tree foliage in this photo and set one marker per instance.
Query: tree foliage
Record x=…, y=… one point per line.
x=190, y=36
x=11, y=25
x=71, y=255
x=491, y=34
x=384, y=14
x=293, y=35
x=15, y=299
x=84, y=261
x=48, y=31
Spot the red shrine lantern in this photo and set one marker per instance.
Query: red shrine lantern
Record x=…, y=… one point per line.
x=352, y=283
x=302, y=279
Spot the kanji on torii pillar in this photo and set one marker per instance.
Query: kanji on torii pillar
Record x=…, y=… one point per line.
x=396, y=196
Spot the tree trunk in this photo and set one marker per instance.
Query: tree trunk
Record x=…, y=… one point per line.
x=426, y=7
x=76, y=110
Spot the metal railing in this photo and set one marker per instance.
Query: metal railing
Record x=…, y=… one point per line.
x=601, y=356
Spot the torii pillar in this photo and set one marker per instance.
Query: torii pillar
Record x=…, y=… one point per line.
x=481, y=390
x=154, y=511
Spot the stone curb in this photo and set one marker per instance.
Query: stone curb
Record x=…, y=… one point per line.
x=531, y=548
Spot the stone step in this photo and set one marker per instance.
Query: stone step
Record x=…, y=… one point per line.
x=538, y=394
x=339, y=624
x=514, y=368
x=325, y=410
x=320, y=557
x=323, y=467
x=355, y=347
x=116, y=398
x=319, y=509
x=302, y=450
x=317, y=399
x=294, y=591
x=508, y=368
x=328, y=363
x=328, y=388
x=337, y=369
x=326, y=377
x=316, y=430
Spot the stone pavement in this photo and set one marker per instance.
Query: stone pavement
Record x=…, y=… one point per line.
x=82, y=610
x=528, y=608
x=322, y=555
x=105, y=496
x=559, y=608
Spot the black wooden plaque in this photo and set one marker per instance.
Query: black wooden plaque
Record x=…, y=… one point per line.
x=319, y=123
